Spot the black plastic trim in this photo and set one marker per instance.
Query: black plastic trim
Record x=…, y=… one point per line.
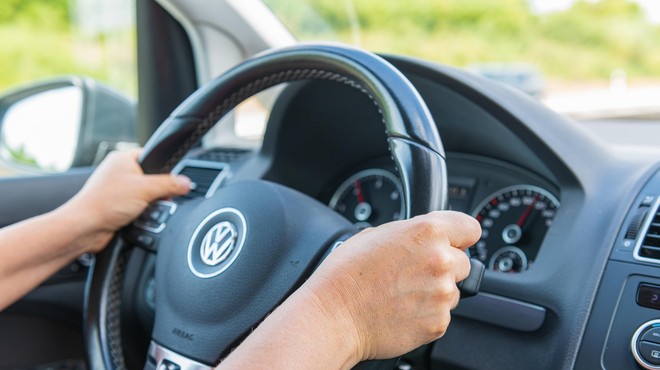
x=501, y=311
x=166, y=67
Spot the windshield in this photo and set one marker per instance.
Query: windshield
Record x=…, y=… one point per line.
x=590, y=60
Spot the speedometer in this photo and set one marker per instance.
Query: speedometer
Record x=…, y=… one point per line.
x=514, y=221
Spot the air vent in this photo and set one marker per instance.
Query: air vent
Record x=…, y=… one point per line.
x=224, y=155
x=648, y=248
x=206, y=177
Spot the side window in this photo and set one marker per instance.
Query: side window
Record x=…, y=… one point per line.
x=68, y=83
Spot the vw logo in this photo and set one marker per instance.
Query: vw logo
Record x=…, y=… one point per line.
x=217, y=242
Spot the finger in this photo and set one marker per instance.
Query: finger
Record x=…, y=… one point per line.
x=163, y=186
x=461, y=265
x=133, y=153
x=455, y=299
x=461, y=230
x=126, y=154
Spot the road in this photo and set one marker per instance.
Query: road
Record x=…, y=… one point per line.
x=629, y=132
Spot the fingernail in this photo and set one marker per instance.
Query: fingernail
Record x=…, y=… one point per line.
x=185, y=182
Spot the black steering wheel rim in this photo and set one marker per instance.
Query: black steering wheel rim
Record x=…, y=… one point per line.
x=413, y=140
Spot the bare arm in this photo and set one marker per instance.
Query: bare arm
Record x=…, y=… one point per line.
x=383, y=293
x=115, y=194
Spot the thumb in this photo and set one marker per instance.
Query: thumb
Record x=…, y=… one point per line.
x=164, y=186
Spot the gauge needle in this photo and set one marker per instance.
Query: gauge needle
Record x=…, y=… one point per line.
x=527, y=212
x=358, y=190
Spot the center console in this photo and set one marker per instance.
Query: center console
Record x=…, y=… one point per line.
x=623, y=331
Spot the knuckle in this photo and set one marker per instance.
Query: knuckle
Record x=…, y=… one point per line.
x=426, y=227
x=439, y=327
x=442, y=261
x=454, y=303
x=446, y=291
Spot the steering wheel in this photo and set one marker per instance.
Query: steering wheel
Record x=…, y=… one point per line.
x=224, y=262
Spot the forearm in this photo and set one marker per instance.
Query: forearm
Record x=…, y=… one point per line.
x=297, y=335
x=114, y=195
x=33, y=250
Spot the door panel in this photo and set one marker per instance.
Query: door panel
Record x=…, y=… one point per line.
x=25, y=197
x=45, y=327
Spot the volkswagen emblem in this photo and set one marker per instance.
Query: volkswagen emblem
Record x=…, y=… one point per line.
x=216, y=242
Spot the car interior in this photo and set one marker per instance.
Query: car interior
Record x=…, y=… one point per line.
x=570, y=223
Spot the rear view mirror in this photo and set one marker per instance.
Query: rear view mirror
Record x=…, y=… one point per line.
x=56, y=125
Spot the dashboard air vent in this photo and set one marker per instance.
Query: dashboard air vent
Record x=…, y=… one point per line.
x=206, y=177
x=226, y=155
x=649, y=246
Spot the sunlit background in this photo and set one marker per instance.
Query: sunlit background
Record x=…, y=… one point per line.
x=592, y=60
x=569, y=53
x=41, y=39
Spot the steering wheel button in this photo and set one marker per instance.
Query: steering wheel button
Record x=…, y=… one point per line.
x=144, y=217
x=650, y=352
x=152, y=224
x=145, y=241
x=652, y=336
x=154, y=218
x=164, y=211
x=155, y=214
x=164, y=216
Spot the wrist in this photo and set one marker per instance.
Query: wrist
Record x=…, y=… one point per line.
x=314, y=337
x=335, y=321
x=87, y=233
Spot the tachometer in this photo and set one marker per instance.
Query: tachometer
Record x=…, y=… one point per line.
x=514, y=221
x=369, y=198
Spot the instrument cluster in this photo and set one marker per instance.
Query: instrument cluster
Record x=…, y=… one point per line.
x=514, y=207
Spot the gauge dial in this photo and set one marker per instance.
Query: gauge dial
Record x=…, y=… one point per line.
x=514, y=221
x=369, y=198
x=508, y=259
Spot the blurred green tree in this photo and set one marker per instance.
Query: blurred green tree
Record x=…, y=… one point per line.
x=587, y=41
x=36, y=12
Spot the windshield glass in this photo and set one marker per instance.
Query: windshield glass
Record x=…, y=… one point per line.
x=590, y=60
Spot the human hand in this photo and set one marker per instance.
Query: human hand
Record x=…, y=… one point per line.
x=392, y=287
x=117, y=193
